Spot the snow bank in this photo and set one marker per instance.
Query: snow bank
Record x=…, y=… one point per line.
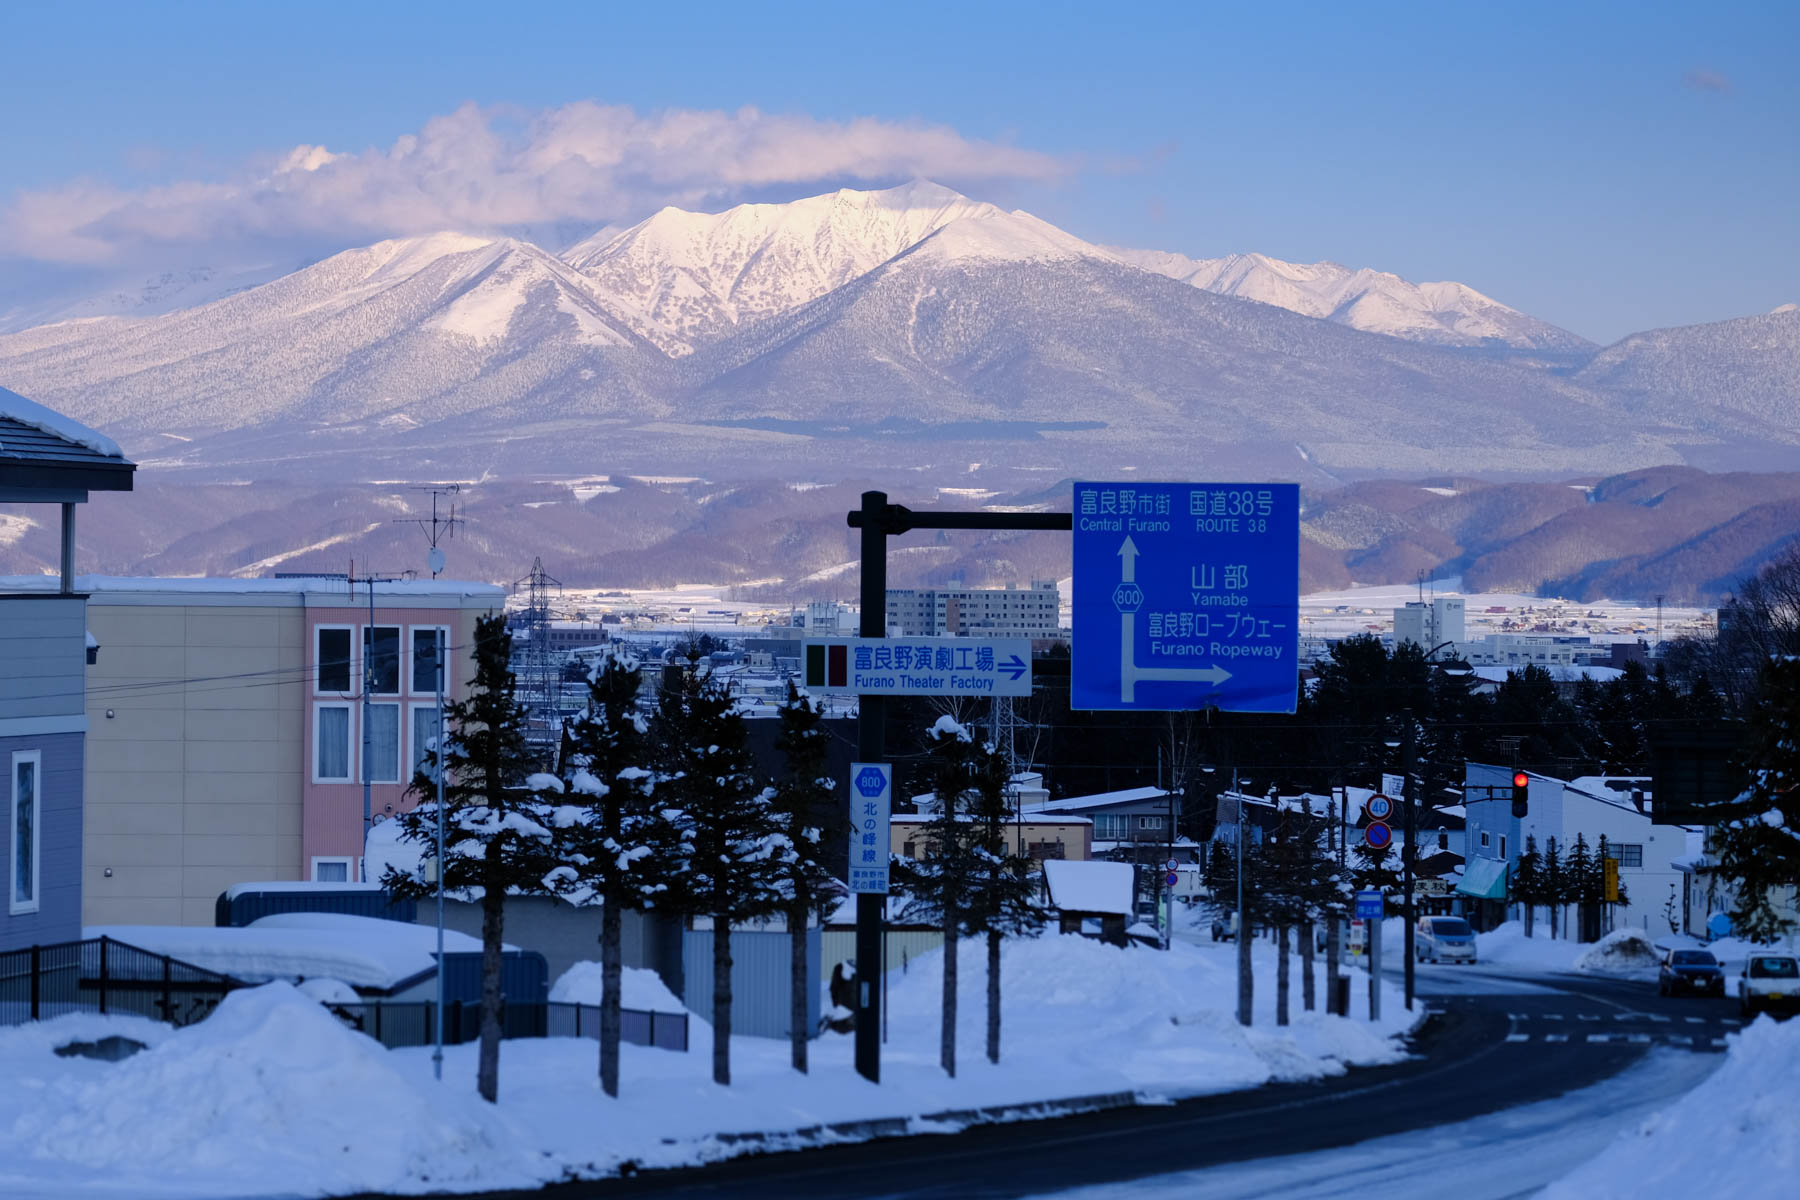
x=269, y=1094
x=643, y=988
x=1621, y=952
x=1734, y=1135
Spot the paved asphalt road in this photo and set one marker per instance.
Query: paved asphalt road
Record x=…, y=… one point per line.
x=1493, y=1042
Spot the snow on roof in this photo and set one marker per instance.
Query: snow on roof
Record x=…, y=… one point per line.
x=290, y=885
x=1096, y=887
x=1030, y=817
x=1100, y=799
x=209, y=585
x=364, y=952
x=1559, y=672
x=30, y=412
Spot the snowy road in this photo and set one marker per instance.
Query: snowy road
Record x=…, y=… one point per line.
x=1512, y=1153
x=1517, y=1078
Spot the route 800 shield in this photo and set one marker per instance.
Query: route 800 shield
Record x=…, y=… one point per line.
x=1186, y=595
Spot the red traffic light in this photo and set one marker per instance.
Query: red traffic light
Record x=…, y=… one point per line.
x=1521, y=779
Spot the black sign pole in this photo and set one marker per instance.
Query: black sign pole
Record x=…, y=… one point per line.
x=879, y=520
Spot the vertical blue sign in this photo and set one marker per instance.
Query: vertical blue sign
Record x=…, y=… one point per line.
x=1186, y=595
x=871, y=805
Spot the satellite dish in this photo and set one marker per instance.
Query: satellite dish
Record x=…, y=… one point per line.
x=435, y=560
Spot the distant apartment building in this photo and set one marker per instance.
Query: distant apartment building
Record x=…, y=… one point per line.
x=1430, y=624
x=830, y=618
x=1012, y=611
x=227, y=734
x=1519, y=649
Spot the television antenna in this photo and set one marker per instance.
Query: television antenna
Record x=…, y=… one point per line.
x=434, y=557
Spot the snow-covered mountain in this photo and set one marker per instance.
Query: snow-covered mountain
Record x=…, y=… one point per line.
x=682, y=277
x=136, y=295
x=400, y=333
x=1445, y=313
x=1726, y=374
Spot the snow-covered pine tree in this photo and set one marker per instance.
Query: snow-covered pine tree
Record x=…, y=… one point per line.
x=942, y=885
x=1578, y=883
x=740, y=853
x=1554, y=883
x=496, y=839
x=1004, y=885
x=806, y=807
x=1528, y=882
x=619, y=849
x=1758, y=842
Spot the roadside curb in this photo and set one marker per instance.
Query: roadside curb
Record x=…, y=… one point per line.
x=950, y=1120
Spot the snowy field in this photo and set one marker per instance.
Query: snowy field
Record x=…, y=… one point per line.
x=271, y=1096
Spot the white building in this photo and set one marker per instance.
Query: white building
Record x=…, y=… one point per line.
x=1431, y=624
x=825, y=618
x=1520, y=649
x=1012, y=611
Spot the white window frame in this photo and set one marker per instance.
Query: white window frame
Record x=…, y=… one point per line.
x=312, y=766
x=407, y=655
x=365, y=646
x=348, y=861
x=399, y=741
x=1503, y=845
x=14, y=905
x=1484, y=839
x=318, y=663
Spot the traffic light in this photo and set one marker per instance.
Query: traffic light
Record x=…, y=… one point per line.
x=1521, y=788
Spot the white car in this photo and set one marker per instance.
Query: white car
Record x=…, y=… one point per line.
x=1443, y=939
x=1768, y=981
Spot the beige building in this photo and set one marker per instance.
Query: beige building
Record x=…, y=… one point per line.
x=1046, y=837
x=226, y=735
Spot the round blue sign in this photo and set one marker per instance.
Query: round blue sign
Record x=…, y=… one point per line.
x=1719, y=925
x=1378, y=807
x=1378, y=835
x=1173, y=879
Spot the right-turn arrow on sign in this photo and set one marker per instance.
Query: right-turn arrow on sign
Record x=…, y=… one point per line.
x=1186, y=595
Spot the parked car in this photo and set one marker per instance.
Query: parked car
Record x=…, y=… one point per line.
x=1443, y=939
x=1225, y=928
x=1694, y=971
x=1769, y=981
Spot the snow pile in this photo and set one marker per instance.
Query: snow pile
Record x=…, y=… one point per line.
x=30, y=412
x=642, y=988
x=1621, y=952
x=1507, y=945
x=1734, y=1135
x=270, y=1093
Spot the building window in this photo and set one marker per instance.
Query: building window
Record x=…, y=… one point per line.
x=381, y=643
x=27, y=834
x=1043, y=850
x=909, y=849
x=333, y=658
x=1629, y=854
x=1443, y=841
x=331, y=870
x=1111, y=827
x=1503, y=845
x=1149, y=822
x=1484, y=839
x=427, y=641
x=424, y=738
x=384, y=743
x=331, y=743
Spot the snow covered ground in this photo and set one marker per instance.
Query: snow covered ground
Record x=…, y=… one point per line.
x=1736, y=1134
x=1624, y=953
x=272, y=1096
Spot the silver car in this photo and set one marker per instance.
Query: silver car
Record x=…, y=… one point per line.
x=1444, y=939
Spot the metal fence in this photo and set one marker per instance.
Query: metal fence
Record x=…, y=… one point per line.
x=398, y=1023
x=101, y=975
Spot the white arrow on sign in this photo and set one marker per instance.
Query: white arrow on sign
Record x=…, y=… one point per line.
x=1129, y=671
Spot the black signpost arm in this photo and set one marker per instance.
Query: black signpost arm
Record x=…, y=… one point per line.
x=878, y=521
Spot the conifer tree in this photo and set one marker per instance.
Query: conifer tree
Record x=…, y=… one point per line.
x=740, y=854
x=805, y=803
x=1551, y=889
x=496, y=839
x=1757, y=839
x=1578, y=883
x=1004, y=887
x=619, y=848
x=1528, y=883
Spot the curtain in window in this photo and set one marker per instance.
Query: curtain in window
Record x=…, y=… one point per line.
x=384, y=743
x=334, y=743
x=331, y=872
x=24, y=831
x=424, y=734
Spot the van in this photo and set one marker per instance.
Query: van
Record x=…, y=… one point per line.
x=1443, y=939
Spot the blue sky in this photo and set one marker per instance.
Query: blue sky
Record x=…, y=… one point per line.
x=1607, y=167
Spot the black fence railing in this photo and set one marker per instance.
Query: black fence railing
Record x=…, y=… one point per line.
x=101, y=975
x=400, y=1023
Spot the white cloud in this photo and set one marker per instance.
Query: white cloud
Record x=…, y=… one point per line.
x=487, y=169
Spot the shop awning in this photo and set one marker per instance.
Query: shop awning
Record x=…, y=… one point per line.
x=1484, y=879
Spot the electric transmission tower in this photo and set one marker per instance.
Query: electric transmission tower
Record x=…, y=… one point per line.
x=542, y=674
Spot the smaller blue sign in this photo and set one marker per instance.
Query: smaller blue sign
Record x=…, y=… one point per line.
x=871, y=782
x=1173, y=879
x=1369, y=906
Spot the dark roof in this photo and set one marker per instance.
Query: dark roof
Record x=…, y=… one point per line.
x=34, y=459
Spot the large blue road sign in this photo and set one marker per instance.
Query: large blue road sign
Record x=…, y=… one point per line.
x=1186, y=595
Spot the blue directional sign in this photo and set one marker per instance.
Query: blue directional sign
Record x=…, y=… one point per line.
x=1369, y=906
x=1186, y=595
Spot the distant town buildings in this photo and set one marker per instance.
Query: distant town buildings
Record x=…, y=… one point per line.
x=1431, y=624
x=1012, y=611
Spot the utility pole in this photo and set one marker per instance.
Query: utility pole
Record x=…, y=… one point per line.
x=1243, y=918
x=438, y=653
x=1410, y=790
x=368, y=684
